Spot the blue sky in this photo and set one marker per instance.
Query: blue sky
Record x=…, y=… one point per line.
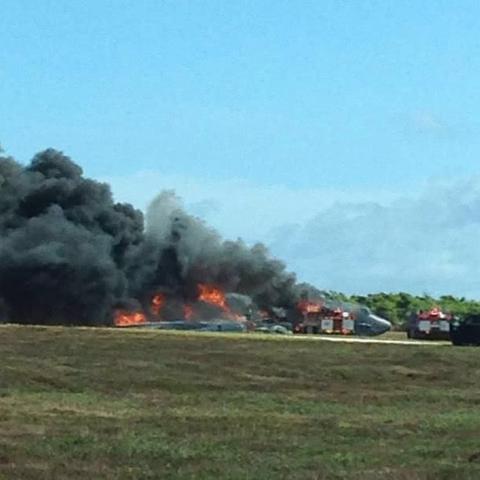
x=272, y=120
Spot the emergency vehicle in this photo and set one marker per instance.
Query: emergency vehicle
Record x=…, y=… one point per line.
x=318, y=318
x=430, y=324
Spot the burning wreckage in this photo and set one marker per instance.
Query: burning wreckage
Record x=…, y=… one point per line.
x=216, y=311
x=70, y=255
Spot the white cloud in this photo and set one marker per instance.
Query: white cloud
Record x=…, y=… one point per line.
x=427, y=243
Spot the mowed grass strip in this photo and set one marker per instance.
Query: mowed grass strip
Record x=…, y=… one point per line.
x=109, y=404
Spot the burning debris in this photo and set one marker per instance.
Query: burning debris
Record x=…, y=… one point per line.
x=213, y=296
x=70, y=255
x=210, y=303
x=124, y=318
x=158, y=301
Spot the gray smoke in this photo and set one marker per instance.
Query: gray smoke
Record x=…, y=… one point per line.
x=203, y=257
x=70, y=255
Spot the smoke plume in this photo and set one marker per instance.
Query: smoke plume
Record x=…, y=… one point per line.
x=70, y=255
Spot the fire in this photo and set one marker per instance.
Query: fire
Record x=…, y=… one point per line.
x=187, y=312
x=306, y=306
x=207, y=293
x=124, y=318
x=158, y=301
x=212, y=295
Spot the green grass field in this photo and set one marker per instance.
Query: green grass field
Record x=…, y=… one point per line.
x=111, y=404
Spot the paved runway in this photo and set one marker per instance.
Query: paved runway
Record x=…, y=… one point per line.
x=348, y=339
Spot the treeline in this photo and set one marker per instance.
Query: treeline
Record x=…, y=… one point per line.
x=396, y=307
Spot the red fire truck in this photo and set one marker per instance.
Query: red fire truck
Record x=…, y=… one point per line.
x=318, y=318
x=430, y=324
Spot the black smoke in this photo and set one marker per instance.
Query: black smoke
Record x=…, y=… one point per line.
x=69, y=254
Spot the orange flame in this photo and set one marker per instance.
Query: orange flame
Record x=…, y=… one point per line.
x=212, y=295
x=158, y=301
x=124, y=318
x=307, y=306
x=215, y=296
x=187, y=312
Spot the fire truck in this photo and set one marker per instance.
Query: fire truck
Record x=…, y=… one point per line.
x=334, y=317
x=430, y=324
